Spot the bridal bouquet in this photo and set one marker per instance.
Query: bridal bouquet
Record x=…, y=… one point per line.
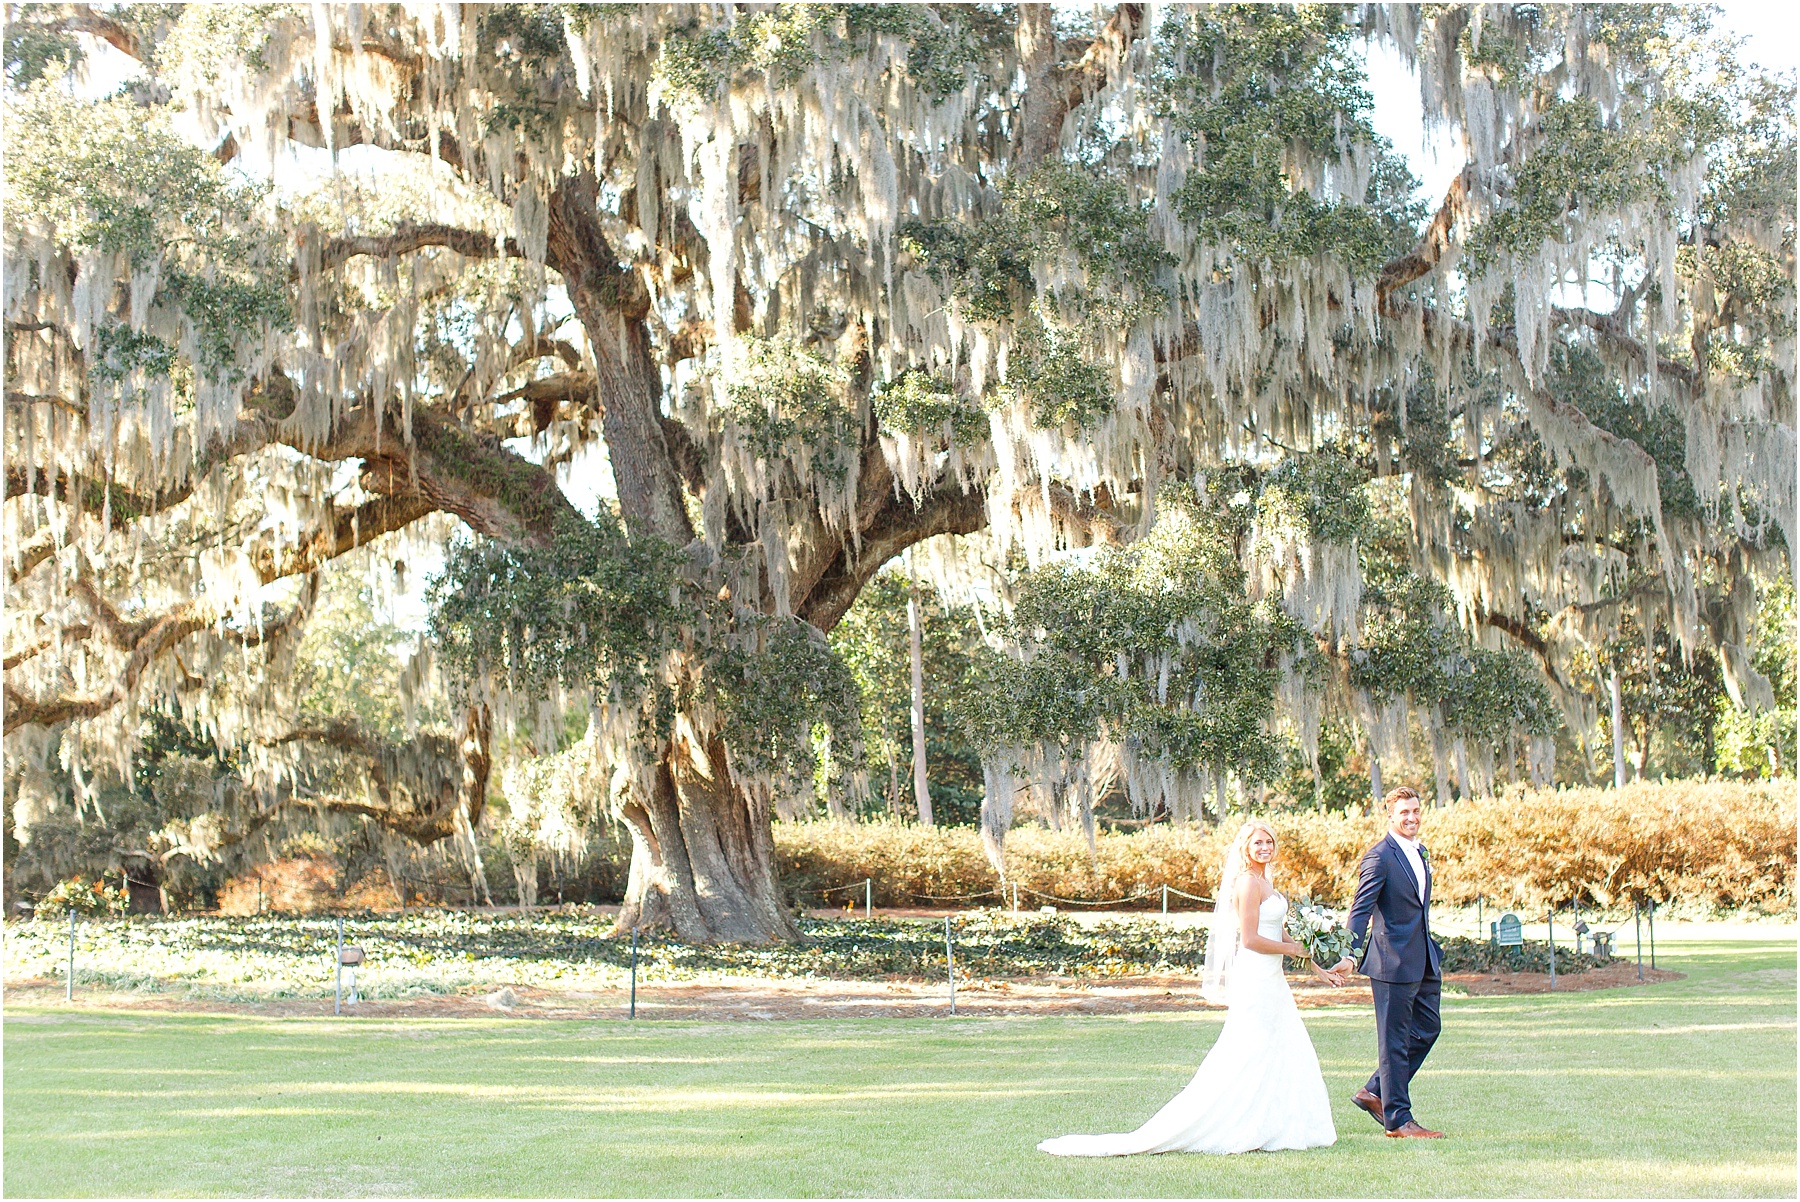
x=1320, y=931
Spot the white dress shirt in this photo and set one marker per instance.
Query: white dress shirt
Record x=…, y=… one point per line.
x=1409, y=850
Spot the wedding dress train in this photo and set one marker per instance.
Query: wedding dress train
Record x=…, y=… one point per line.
x=1259, y=1088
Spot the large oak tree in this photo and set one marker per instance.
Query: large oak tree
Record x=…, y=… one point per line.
x=828, y=281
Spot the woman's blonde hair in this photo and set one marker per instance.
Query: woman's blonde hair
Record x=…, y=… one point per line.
x=1239, y=853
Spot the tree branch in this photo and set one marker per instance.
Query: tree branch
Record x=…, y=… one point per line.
x=1433, y=244
x=1611, y=329
x=1052, y=91
x=83, y=18
x=424, y=808
x=161, y=637
x=898, y=525
x=409, y=236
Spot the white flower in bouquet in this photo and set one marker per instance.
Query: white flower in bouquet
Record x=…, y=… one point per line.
x=1320, y=931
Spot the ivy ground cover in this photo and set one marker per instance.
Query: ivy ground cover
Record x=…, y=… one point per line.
x=441, y=952
x=1684, y=1088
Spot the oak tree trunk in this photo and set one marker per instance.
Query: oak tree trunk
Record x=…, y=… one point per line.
x=702, y=853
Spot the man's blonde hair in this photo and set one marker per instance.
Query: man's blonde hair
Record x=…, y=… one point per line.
x=1387, y=803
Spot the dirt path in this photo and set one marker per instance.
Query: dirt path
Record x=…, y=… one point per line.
x=768, y=1000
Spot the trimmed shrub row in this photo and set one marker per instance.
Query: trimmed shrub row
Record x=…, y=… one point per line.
x=1720, y=846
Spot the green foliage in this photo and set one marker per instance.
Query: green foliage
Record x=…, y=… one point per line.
x=592, y=610
x=207, y=41
x=945, y=44
x=596, y=612
x=179, y=783
x=34, y=51
x=775, y=693
x=988, y=272
x=1342, y=782
x=919, y=403
x=786, y=399
x=1060, y=209
x=1410, y=646
x=1257, y=90
x=1048, y=372
x=1157, y=643
x=120, y=350
x=1462, y=954
x=116, y=178
x=1671, y=701
x=1056, y=212
x=1319, y=496
x=1579, y=160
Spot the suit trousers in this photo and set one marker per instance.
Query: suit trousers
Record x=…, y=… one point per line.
x=1406, y=1025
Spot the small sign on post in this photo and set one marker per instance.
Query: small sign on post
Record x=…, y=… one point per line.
x=351, y=956
x=1509, y=931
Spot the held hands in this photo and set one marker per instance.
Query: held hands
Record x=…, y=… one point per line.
x=1329, y=974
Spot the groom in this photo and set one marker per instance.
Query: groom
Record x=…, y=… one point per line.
x=1390, y=921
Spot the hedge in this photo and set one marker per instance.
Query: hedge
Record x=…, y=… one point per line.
x=1715, y=846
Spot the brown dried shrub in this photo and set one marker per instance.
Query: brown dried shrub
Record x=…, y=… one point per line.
x=1712, y=845
x=303, y=885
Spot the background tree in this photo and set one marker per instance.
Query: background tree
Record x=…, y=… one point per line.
x=873, y=642
x=829, y=281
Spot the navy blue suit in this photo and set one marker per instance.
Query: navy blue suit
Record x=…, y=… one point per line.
x=1390, y=920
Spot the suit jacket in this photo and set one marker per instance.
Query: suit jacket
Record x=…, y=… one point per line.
x=1389, y=920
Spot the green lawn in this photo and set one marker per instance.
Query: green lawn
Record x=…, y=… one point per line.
x=1685, y=1088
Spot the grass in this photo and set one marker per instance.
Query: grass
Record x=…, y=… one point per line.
x=1685, y=1088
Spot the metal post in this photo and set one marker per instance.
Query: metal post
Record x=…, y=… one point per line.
x=1165, y=901
x=869, y=897
x=1652, y=921
x=1637, y=933
x=1551, y=919
x=69, y=990
x=1478, y=923
x=634, y=937
x=950, y=963
x=338, y=1005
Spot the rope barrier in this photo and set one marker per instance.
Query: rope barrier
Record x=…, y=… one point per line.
x=1001, y=893
x=959, y=897
x=841, y=888
x=1075, y=901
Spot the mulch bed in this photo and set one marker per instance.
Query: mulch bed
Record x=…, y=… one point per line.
x=770, y=1000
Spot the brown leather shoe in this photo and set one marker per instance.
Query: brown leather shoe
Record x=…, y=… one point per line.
x=1411, y=1130
x=1370, y=1104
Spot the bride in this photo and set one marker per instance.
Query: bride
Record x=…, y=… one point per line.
x=1259, y=1089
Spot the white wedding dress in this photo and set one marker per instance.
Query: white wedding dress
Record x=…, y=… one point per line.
x=1259, y=1089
